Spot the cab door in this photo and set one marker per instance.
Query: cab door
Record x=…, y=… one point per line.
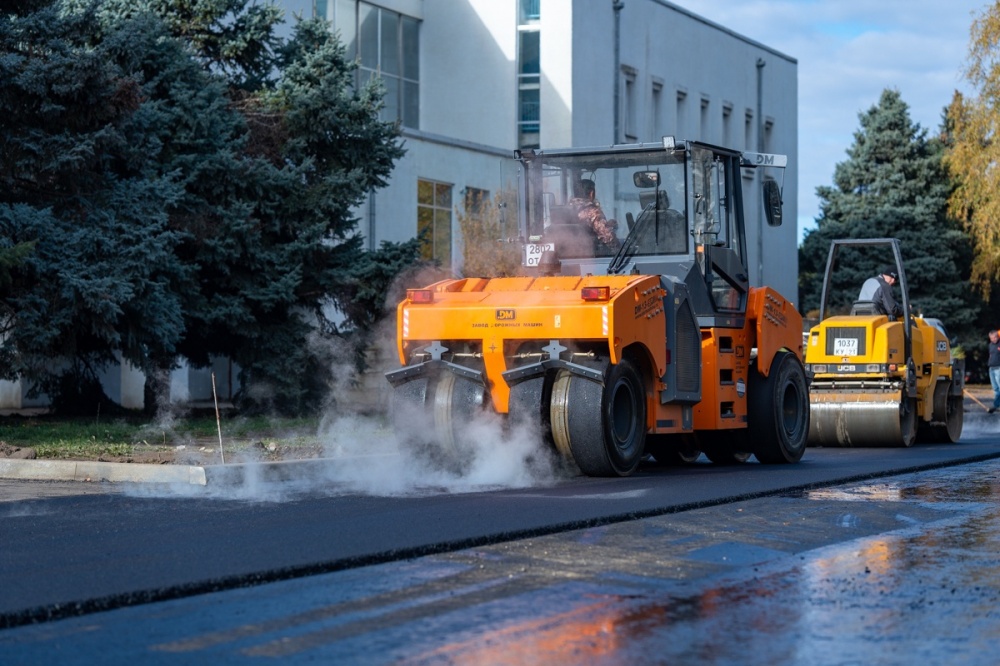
x=716, y=200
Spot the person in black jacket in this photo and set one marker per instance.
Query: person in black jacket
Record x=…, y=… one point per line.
x=878, y=290
x=994, y=363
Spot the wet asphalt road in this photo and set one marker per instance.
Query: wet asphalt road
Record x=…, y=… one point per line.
x=897, y=569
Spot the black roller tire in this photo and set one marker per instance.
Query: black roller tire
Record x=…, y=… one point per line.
x=528, y=405
x=951, y=430
x=604, y=428
x=778, y=408
x=430, y=414
x=409, y=405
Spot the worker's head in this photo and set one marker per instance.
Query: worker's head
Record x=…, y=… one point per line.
x=585, y=188
x=889, y=273
x=994, y=336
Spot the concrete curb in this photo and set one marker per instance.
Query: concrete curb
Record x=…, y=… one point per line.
x=199, y=475
x=85, y=470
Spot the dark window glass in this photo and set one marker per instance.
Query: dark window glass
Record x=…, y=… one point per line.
x=425, y=229
x=345, y=22
x=530, y=62
x=434, y=218
x=530, y=108
x=368, y=36
x=425, y=192
x=530, y=10
x=390, y=110
x=476, y=201
x=411, y=104
x=411, y=51
x=388, y=46
x=389, y=50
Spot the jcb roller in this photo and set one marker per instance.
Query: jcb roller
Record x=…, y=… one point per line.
x=876, y=380
x=654, y=343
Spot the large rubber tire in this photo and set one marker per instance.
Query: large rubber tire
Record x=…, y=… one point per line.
x=430, y=415
x=602, y=428
x=527, y=404
x=778, y=407
x=950, y=430
x=408, y=406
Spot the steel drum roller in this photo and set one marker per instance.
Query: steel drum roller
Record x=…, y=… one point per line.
x=860, y=419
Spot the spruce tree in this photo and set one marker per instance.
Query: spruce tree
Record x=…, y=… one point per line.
x=77, y=183
x=186, y=183
x=893, y=185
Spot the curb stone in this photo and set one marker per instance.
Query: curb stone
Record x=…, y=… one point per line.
x=200, y=475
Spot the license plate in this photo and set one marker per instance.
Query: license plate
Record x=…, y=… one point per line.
x=845, y=346
x=533, y=252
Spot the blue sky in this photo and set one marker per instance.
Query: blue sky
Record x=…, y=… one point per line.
x=848, y=52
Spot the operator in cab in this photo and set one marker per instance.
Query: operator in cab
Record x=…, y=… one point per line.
x=878, y=290
x=588, y=212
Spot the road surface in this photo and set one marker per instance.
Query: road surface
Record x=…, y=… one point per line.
x=748, y=564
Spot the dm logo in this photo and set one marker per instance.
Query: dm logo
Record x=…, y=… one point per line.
x=505, y=314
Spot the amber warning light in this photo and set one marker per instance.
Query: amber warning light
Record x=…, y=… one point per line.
x=420, y=295
x=595, y=293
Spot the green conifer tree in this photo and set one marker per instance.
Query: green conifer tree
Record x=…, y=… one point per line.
x=893, y=185
x=186, y=180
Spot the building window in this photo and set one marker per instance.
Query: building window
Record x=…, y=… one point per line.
x=748, y=132
x=476, y=201
x=629, y=104
x=768, y=135
x=727, y=125
x=682, y=113
x=705, y=121
x=656, y=122
x=528, y=75
x=434, y=220
x=529, y=11
x=386, y=45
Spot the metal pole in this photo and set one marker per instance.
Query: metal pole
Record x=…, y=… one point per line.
x=760, y=149
x=618, y=5
x=218, y=422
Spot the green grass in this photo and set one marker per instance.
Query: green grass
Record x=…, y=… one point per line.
x=54, y=437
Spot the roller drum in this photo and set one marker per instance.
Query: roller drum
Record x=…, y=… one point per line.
x=867, y=419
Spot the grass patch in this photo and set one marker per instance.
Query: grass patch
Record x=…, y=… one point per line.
x=55, y=437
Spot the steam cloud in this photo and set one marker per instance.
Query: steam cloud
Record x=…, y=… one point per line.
x=363, y=454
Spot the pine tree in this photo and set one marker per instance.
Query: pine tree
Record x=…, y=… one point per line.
x=77, y=183
x=893, y=185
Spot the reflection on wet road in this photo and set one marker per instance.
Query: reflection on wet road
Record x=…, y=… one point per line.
x=902, y=570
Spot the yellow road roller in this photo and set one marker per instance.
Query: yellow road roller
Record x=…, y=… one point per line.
x=878, y=381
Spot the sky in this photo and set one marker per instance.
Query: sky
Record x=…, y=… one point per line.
x=848, y=52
